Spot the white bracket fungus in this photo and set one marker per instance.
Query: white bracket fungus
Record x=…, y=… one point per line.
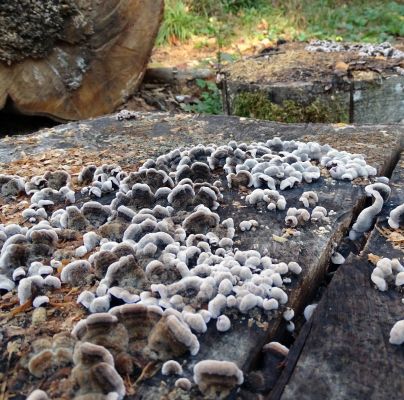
x=397, y=333
x=396, y=218
x=309, y=310
x=214, y=377
x=164, y=256
x=171, y=367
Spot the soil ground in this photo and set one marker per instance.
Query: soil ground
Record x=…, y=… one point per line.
x=291, y=62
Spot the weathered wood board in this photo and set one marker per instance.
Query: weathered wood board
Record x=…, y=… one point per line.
x=151, y=134
x=131, y=141
x=311, y=250
x=347, y=353
x=342, y=87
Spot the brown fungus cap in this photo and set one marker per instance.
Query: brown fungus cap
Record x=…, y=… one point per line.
x=101, y=261
x=171, y=338
x=127, y=273
x=200, y=221
x=103, y=329
x=74, y=272
x=94, y=371
x=138, y=319
x=86, y=353
x=217, y=378
x=95, y=213
x=40, y=363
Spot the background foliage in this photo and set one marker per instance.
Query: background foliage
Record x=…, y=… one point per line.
x=225, y=21
x=355, y=20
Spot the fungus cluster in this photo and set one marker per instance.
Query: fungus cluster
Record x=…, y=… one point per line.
x=309, y=199
x=251, y=224
x=217, y=378
x=94, y=372
x=11, y=185
x=125, y=114
x=164, y=262
x=388, y=272
x=396, y=217
x=384, y=49
x=296, y=216
x=50, y=355
x=21, y=253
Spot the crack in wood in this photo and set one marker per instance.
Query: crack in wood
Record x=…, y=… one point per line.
x=319, y=370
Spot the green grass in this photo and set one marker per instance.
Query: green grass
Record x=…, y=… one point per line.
x=370, y=22
x=179, y=24
x=355, y=20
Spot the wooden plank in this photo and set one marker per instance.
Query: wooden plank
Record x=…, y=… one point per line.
x=175, y=76
x=129, y=142
x=348, y=354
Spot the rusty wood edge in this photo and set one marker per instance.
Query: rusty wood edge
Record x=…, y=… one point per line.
x=291, y=361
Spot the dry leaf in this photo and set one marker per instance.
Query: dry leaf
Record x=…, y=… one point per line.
x=279, y=239
x=13, y=347
x=373, y=258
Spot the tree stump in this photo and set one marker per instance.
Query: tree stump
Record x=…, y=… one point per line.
x=292, y=84
x=74, y=59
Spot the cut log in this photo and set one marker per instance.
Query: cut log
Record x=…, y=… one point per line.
x=86, y=59
x=347, y=354
x=292, y=84
x=152, y=134
x=174, y=76
x=132, y=141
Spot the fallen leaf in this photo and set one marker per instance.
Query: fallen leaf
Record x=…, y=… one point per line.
x=279, y=239
x=373, y=258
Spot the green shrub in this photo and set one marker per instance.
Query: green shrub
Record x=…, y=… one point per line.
x=206, y=7
x=218, y=7
x=209, y=102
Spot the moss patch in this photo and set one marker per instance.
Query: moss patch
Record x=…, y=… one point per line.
x=257, y=105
